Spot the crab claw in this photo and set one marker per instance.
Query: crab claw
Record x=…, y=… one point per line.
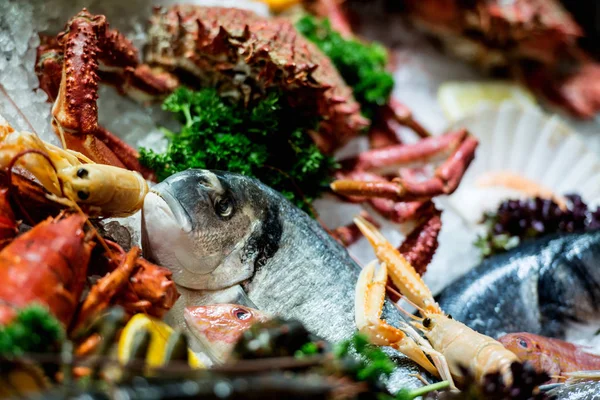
x=370, y=294
x=403, y=275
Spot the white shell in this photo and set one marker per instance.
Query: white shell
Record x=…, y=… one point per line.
x=525, y=142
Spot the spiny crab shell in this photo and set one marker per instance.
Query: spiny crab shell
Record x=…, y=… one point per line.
x=534, y=29
x=244, y=54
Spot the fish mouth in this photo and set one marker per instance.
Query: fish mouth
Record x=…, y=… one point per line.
x=174, y=207
x=202, y=340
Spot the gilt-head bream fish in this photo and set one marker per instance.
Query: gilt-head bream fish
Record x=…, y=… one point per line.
x=228, y=238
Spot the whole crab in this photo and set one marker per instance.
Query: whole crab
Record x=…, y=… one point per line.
x=244, y=55
x=535, y=41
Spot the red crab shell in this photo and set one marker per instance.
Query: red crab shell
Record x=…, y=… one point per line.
x=532, y=29
x=243, y=53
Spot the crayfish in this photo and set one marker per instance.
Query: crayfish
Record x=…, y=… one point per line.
x=451, y=345
x=50, y=263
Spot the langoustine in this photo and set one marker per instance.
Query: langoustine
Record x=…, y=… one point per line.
x=50, y=263
x=69, y=177
x=450, y=343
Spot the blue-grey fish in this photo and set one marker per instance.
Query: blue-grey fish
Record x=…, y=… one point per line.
x=589, y=390
x=219, y=232
x=538, y=288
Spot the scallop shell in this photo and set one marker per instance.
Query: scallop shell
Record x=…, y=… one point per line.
x=526, y=142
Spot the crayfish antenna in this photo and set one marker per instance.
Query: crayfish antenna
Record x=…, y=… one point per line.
x=19, y=111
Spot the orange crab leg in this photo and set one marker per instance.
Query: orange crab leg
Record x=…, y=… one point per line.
x=402, y=114
x=68, y=70
x=445, y=180
x=389, y=159
x=104, y=290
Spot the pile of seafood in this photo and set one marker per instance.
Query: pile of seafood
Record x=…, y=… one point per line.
x=203, y=269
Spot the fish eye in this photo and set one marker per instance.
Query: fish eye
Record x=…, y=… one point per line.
x=224, y=206
x=82, y=173
x=83, y=194
x=241, y=314
x=523, y=343
x=427, y=322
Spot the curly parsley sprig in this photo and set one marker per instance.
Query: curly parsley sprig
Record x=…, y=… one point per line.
x=33, y=330
x=266, y=140
x=361, y=64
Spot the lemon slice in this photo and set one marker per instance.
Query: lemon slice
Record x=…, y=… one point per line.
x=159, y=337
x=458, y=99
x=280, y=5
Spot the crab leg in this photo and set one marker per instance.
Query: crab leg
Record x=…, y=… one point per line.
x=395, y=211
x=104, y=290
x=370, y=295
x=68, y=69
x=420, y=245
x=402, y=114
x=389, y=159
x=445, y=180
x=49, y=66
x=382, y=136
x=350, y=233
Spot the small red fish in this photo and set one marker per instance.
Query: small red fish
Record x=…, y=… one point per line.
x=553, y=356
x=218, y=327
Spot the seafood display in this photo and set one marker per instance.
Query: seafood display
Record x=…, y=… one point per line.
x=247, y=210
x=245, y=56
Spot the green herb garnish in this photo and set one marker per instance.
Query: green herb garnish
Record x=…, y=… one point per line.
x=33, y=330
x=362, y=65
x=373, y=363
x=406, y=394
x=267, y=140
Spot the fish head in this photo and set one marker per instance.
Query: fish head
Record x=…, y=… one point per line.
x=520, y=343
x=209, y=227
x=528, y=348
x=218, y=327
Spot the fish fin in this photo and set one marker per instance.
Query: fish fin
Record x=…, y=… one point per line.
x=583, y=375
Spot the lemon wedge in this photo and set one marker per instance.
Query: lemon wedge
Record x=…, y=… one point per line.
x=458, y=99
x=159, y=337
x=280, y=5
